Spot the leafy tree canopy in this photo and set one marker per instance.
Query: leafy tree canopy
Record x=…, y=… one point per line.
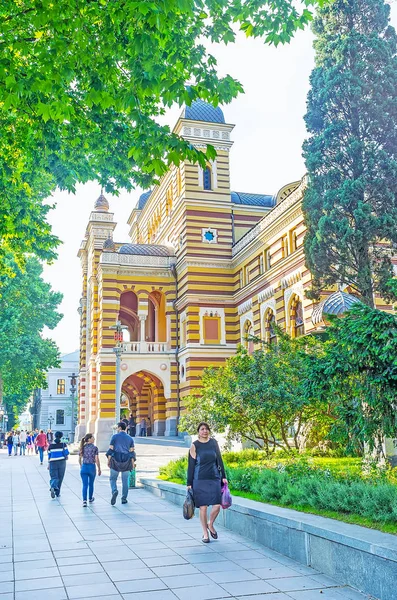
x=260, y=398
x=82, y=84
x=351, y=157
x=27, y=305
x=357, y=374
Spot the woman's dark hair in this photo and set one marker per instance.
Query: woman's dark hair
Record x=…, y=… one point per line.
x=122, y=426
x=84, y=441
x=58, y=435
x=203, y=424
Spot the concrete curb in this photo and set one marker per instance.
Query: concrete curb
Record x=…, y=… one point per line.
x=352, y=555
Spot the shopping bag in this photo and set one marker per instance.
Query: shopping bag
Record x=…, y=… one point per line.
x=132, y=479
x=188, y=505
x=226, y=498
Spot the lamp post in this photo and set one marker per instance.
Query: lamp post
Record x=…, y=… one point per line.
x=73, y=387
x=50, y=421
x=118, y=338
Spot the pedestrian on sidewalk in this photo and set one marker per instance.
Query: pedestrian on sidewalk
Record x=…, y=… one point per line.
x=57, y=456
x=143, y=431
x=121, y=456
x=30, y=443
x=35, y=434
x=22, y=441
x=89, y=463
x=9, y=442
x=41, y=444
x=204, y=475
x=15, y=442
x=131, y=426
x=50, y=437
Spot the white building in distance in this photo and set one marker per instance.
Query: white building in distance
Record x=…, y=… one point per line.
x=53, y=407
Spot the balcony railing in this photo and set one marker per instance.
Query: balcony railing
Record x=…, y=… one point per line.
x=145, y=347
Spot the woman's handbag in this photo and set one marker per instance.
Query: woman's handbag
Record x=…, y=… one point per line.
x=188, y=505
x=226, y=498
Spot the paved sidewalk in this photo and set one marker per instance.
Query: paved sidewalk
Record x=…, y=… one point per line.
x=143, y=550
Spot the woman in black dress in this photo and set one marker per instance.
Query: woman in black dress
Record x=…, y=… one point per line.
x=205, y=474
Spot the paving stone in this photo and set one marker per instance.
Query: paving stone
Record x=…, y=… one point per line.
x=274, y=572
x=178, y=581
x=163, y=561
x=6, y=576
x=229, y=576
x=247, y=588
x=58, y=593
x=296, y=583
x=85, y=578
x=156, y=595
x=91, y=591
x=38, y=573
x=38, y=584
x=323, y=594
x=81, y=569
x=175, y=570
x=203, y=592
x=141, y=585
x=76, y=560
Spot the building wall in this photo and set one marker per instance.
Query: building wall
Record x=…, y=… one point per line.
x=57, y=397
x=232, y=267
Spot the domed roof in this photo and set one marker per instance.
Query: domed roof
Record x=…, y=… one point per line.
x=252, y=199
x=145, y=250
x=101, y=204
x=108, y=245
x=143, y=198
x=202, y=111
x=336, y=304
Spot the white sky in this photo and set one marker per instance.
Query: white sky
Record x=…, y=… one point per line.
x=266, y=154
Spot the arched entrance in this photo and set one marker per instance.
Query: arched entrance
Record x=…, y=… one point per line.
x=145, y=393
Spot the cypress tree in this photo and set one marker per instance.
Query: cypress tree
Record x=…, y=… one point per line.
x=350, y=205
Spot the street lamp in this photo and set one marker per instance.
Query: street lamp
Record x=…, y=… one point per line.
x=73, y=387
x=50, y=420
x=118, y=349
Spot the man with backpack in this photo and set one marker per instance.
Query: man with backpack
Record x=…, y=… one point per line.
x=121, y=456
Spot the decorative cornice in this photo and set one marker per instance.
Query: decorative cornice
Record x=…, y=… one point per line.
x=268, y=219
x=100, y=216
x=245, y=307
x=290, y=279
x=137, y=260
x=266, y=294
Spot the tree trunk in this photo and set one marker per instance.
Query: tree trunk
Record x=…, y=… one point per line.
x=365, y=278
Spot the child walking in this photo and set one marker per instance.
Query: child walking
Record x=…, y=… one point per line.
x=89, y=462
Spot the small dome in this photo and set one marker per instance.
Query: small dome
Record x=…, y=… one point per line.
x=101, y=204
x=336, y=304
x=108, y=245
x=252, y=199
x=143, y=198
x=202, y=111
x=145, y=250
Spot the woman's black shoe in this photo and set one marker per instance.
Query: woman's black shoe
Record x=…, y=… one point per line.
x=214, y=534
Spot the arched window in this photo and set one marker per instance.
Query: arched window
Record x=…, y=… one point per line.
x=297, y=322
x=207, y=178
x=270, y=332
x=248, y=332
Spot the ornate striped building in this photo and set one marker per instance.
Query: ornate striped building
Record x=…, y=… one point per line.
x=204, y=268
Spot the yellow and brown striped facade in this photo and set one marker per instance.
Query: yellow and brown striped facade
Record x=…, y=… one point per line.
x=205, y=267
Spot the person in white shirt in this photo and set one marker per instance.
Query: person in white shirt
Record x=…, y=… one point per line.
x=22, y=442
x=15, y=442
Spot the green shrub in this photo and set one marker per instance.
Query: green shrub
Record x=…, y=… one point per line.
x=324, y=484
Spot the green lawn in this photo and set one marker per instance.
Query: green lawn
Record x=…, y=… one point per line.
x=328, y=486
